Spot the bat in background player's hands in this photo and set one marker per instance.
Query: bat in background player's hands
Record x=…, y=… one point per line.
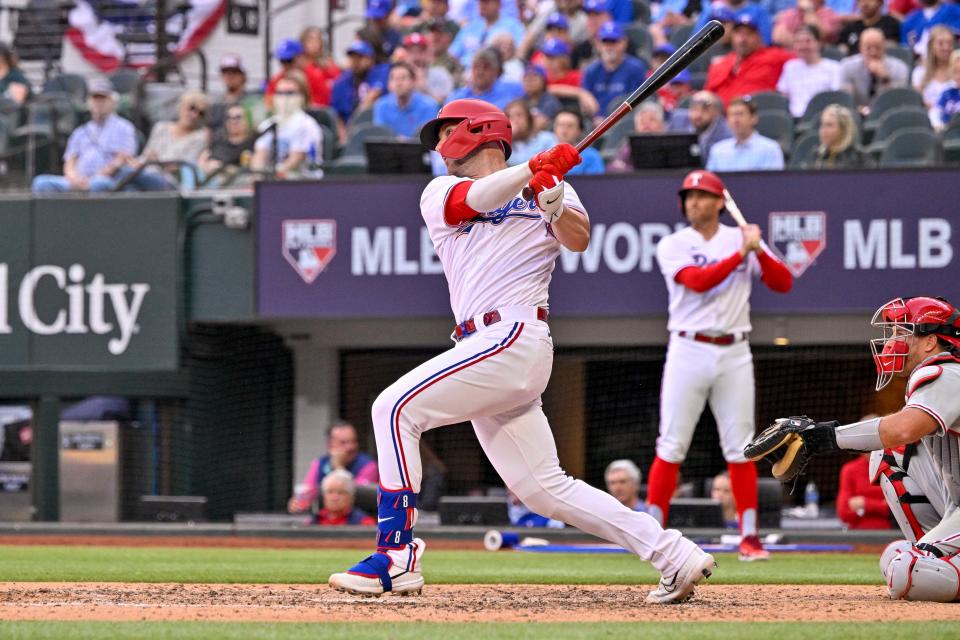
x=548, y=194
x=751, y=238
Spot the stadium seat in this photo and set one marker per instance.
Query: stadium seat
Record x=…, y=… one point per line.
x=325, y=116
x=897, y=120
x=614, y=138
x=778, y=125
x=770, y=101
x=680, y=35
x=71, y=84
x=329, y=144
x=348, y=165
x=811, y=117
x=360, y=118
x=802, y=148
x=615, y=102
x=641, y=42
x=832, y=53
x=125, y=81
x=901, y=53
x=641, y=11
x=911, y=148
x=951, y=142
x=354, y=146
x=898, y=98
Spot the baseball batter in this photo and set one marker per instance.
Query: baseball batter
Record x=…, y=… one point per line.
x=498, y=252
x=916, y=451
x=709, y=268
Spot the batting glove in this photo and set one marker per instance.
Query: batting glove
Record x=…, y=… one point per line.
x=561, y=158
x=548, y=194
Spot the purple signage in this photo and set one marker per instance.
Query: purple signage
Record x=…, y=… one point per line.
x=853, y=240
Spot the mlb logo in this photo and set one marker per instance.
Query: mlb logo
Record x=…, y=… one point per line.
x=309, y=246
x=798, y=237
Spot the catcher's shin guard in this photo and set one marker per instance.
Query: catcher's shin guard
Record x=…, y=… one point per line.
x=916, y=574
x=909, y=505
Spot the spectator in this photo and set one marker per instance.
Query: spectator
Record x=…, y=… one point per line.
x=900, y=9
x=13, y=83
x=647, y=119
x=747, y=150
x=486, y=83
x=871, y=71
x=567, y=22
x=232, y=146
x=462, y=11
x=403, y=109
x=299, y=139
x=343, y=453
x=439, y=38
x=564, y=82
x=512, y=65
x=860, y=503
x=621, y=11
x=667, y=16
x=291, y=56
x=913, y=31
x=838, y=135
x=622, y=478
x=361, y=84
x=527, y=140
x=734, y=11
x=568, y=127
x=521, y=516
x=721, y=491
x=809, y=73
x=932, y=77
x=585, y=51
x=339, y=492
x=812, y=13
x=558, y=28
x=749, y=68
x=95, y=150
x=871, y=16
x=475, y=34
x=432, y=79
x=543, y=104
x=316, y=56
x=616, y=73
x=705, y=118
x=169, y=144
x=234, y=77
x=948, y=106
x=434, y=15
x=377, y=31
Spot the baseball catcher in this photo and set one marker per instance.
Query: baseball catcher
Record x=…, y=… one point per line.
x=915, y=451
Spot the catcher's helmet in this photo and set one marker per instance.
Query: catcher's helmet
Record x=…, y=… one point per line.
x=700, y=180
x=480, y=122
x=904, y=317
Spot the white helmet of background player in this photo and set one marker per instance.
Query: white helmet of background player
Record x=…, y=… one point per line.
x=902, y=318
x=700, y=180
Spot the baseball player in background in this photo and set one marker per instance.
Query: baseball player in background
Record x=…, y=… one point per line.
x=915, y=451
x=709, y=268
x=498, y=252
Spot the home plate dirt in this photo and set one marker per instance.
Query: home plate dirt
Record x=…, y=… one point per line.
x=452, y=603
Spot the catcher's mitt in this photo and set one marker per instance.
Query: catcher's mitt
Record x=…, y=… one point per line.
x=789, y=443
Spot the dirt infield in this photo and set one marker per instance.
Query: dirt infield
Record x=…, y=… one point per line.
x=452, y=603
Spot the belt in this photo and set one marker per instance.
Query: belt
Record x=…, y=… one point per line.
x=723, y=340
x=472, y=325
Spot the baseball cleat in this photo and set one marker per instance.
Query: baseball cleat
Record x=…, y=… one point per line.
x=389, y=570
x=678, y=587
x=751, y=549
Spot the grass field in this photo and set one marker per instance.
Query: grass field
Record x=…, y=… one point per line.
x=296, y=566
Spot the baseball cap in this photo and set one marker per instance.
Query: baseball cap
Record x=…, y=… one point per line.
x=415, y=39
x=288, y=49
x=555, y=47
x=665, y=50
x=361, y=48
x=681, y=78
x=232, y=62
x=101, y=87
x=610, y=30
x=378, y=9
x=746, y=20
x=440, y=24
x=535, y=68
x=557, y=20
x=595, y=6
x=723, y=14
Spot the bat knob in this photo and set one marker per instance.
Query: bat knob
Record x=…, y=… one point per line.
x=527, y=193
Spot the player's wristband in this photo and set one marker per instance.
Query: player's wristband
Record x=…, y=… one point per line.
x=860, y=436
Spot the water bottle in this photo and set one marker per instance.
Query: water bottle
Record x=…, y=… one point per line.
x=812, y=499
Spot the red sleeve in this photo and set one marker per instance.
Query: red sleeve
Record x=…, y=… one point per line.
x=272, y=84
x=774, y=273
x=876, y=506
x=702, y=279
x=847, y=478
x=455, y=209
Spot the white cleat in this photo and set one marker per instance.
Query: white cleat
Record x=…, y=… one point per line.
x=394, y=571
x=678, y=587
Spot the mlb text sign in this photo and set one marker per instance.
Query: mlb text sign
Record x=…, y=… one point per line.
x=853, y=240
x=89, y=283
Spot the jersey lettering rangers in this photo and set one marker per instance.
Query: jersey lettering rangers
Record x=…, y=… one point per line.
x=497, y=259
x=934, y=387
x=726, y=307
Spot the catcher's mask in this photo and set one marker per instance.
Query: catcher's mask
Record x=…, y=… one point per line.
x=901, y=318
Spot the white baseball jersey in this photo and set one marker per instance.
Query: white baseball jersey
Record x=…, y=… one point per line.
x=726, y=307
x=934, y=387
x=500, y=258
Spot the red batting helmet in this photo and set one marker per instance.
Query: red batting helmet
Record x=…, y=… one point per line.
x=480, y=122
x=904, y=317
x=700, y=180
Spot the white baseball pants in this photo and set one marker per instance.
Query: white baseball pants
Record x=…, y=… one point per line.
x=494, y=378
x=696, y=373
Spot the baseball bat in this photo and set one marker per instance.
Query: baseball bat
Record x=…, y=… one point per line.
x=682, y=58
x=737, y=215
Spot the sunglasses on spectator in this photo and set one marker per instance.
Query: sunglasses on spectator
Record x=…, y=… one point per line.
x=235, y=116
x=287, y=93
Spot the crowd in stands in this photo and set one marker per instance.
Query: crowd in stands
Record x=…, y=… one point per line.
x=557, y=67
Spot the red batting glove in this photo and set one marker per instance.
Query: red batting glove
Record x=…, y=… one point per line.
x=560, y=158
